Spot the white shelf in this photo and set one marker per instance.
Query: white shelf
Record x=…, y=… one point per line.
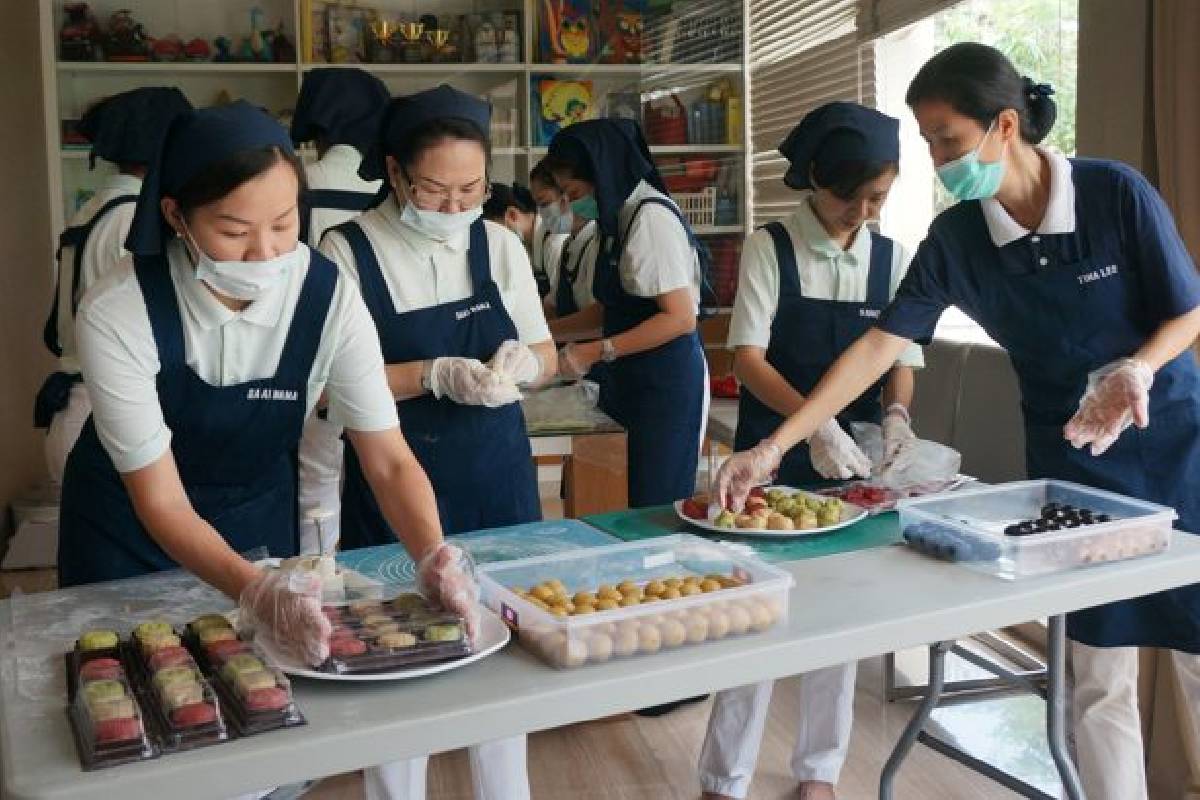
x=173, y=67
x=718, y=230
x=429, y=69
x=642, y=70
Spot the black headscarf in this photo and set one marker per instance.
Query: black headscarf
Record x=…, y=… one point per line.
x=127, y=127
x=839, y=132
x=341, y=106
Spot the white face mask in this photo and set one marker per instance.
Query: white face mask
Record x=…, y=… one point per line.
x=439, y=225
x=242, y=280
x=556, y=219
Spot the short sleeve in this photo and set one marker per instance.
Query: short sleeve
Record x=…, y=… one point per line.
x=658, y=257
x=757, y=295
x=357, y=387
x=912, y=356
x=1168, y=274
x=106, y=245
x=922, y=296
x=519, y=290
x=335, y=247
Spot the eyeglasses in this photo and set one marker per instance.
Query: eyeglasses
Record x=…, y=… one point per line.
x=430, y=194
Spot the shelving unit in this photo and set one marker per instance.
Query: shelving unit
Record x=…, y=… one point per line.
x=70, y=87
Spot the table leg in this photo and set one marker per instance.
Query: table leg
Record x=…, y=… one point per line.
x=937, y=677
x=1056, y=708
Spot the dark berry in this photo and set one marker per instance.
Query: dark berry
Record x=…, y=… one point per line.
x=1012, y=530
x=1102, y=518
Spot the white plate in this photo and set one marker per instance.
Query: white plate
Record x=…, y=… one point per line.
x=850, y=515
x=493, y=635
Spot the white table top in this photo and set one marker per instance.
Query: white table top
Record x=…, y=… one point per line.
x=843, y=607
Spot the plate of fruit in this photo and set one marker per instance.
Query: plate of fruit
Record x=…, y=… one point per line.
x=773, y=511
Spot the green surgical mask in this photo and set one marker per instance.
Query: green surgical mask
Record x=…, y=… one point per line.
x=586, y=207
x=968, y=178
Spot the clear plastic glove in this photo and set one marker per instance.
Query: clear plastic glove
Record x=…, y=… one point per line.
x=287, y=605
x=1117, y=396
x=742, y=471
x=572, y=364
x=470, y=382
x=446, y=576
x=899, y=441
x=516, y=362
x=835, y=455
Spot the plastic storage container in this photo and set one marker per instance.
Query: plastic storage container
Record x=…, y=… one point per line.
x=969, y=526
x=744, y=595
x=104, y=709
x=388, y=634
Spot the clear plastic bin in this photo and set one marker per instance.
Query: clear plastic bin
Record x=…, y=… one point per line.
x=972, y=522
x=757, y=602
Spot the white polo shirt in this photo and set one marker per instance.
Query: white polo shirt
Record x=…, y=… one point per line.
x=658, y=257
x=224, y=348
x=580, y=253
x=827, y=272
x=421, y=272
x=337, y=169
x=103, y=251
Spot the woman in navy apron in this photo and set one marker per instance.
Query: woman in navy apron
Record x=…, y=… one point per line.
x=1075, y=267
x=809, y=285
x=338, y=111
x=124, y=130
x=646, y=288
x=205, y=355
x=554, y=223
x=460, y=322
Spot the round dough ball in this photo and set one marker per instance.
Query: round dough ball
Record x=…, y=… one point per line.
x=649, y=639
x=730, y=582
x=673, y=632
x=745, y=521
x=718, y=624
x=572, y=653
x=543, y=593
x=710, y=585
x=672, y=593
x=691, y=589
x=632, y=591
x=607, y=590
x=607, y=604
x=739, y=620
x=559, y=611
x=760, y=617
x=584, y=608
x=599, y=647
x=778, y=522
x=584, y=599
x=673, y=583
x=774, y=607
x=557, y=585
x=625, y=643
x=630, y=600
x=696, y=627
x=654, y=588
x=625, y=587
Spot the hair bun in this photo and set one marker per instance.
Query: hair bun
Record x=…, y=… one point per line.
x=1042, y=110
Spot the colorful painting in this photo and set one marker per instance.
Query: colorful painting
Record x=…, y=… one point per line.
x=565, y=32
x=562, y=103
x=620, y=24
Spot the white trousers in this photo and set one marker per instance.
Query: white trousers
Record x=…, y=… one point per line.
x=1104, y=715
x=735, y=731
x=320, y=467
x=497, y=773
x=64, y=431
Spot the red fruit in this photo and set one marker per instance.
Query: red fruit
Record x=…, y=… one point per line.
x=100, y=669
x=193, y=714
x=118, y=730
x=694, y=510
x=219, y=651
x=758, y=491
x=170, y=657
x=271, y=699
x=346, y=646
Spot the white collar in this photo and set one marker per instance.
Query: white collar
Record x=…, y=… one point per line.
x=343, y=157
x=814, y=236
x=1060, y=210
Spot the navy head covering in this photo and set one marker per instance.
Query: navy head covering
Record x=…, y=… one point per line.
x=615, y=154
x=835, y=133
x=197, y=140
x=405, y=114
x=341, y=106
x=505, y=196
x=126, y=128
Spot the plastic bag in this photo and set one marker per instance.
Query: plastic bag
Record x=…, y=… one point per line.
x=933, y=465
x=569, y=407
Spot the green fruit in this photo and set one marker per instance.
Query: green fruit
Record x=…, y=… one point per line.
x=725, y=519
x=98, y=640
x=443, y=633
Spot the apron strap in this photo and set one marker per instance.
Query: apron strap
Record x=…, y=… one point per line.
x=370, y=275
x=162, y=307
x=703, y=254
x=785, y=257
x=308, y=322
x=332, y=200
x=478, y=259
x=879, y=279
x=75, y=236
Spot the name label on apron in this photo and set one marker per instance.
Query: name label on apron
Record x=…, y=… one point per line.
x=287, y=395
x=1097, y=274
x=869, y=313
x=475, y=309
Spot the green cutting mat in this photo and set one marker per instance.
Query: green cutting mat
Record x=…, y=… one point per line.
x=647, y=523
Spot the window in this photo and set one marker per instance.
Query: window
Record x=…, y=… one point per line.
x=1040, y=36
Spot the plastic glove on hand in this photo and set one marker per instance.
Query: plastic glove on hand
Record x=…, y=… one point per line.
x=516, y=362
x=446, y=576
x=835, y=455
x=470, y=382
x=570, y=366
x=1117, y=396
x=743, y=471
x=287, y=605
x=899, y=441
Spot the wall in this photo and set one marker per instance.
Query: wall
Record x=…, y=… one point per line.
x=1113, y=80
x=24, y=251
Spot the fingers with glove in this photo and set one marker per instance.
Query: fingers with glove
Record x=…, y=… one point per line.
x=515, y=362
x=574, y=362
x=743, y=471
x=899, y=441
x=835, y=455
x=1117, y=396
x=287, y=606
x=470, y=382
x=446, y=576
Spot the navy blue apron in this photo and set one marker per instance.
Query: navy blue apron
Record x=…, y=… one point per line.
x=56, y=391
x=540, y=275
x=807, y=336
x=478, y=459
x=332, y=200
x=656, y=395
x=234, y=446
x=1085, y=308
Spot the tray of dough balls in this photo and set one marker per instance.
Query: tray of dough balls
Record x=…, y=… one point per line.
x=164, y=690
x=772, y=511
x=1025, y=528
x=625, y=600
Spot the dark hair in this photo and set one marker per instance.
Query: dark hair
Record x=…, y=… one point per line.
x=504, y=197
x=541, y=174
x=430, y=134
x=841, y=177
x=979, y=82
x=577, y=169
x=219, y=179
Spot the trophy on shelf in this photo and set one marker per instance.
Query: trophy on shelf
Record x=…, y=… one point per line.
x=412, y=47
x=441, y=51
x=382, y=48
